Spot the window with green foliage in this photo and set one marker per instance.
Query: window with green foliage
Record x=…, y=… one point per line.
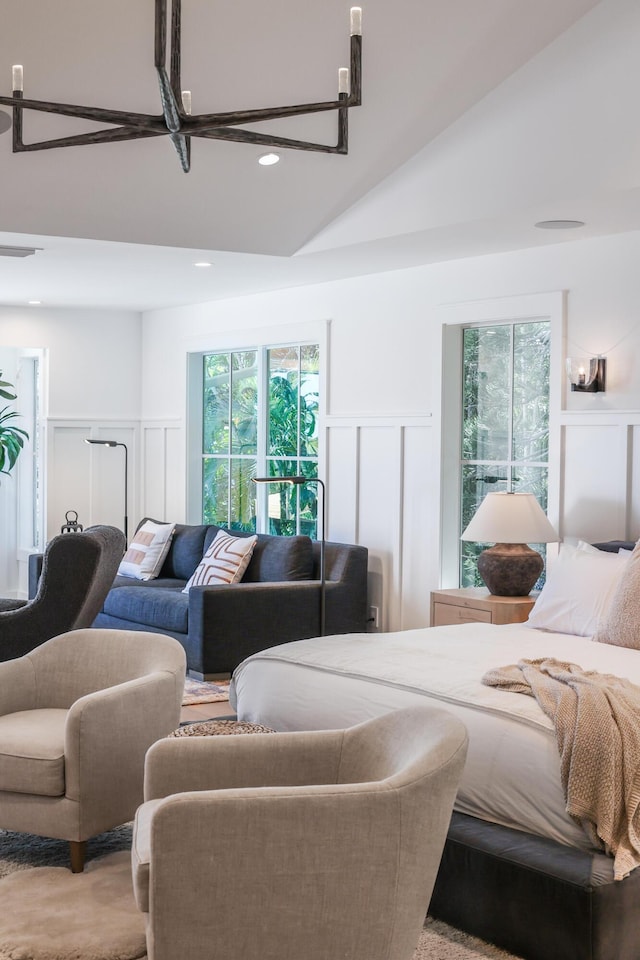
x=260, y=418
x=505, y=420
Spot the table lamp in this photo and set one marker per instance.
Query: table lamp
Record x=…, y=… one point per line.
x=510, y=521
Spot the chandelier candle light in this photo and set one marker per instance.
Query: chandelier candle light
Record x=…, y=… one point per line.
x=510, y=521
x=176, y=120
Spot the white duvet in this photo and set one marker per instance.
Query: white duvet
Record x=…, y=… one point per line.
x=512, y=774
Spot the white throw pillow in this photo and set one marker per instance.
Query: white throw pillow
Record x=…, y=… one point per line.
x=146, y=552
x=224, y=562
x=578, y=592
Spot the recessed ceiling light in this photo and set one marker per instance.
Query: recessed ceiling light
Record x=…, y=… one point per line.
x=34, y=303
x=202, y=263
x=559, y=224
x=268, y=159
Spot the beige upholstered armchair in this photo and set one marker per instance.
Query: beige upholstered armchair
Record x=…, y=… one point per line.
x=77, y=716
x=315, y=845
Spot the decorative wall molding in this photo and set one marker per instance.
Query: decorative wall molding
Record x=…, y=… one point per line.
x=379, y=476
x=162, y=467
x=89, y=479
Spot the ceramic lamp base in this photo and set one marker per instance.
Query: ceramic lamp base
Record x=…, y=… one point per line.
x=510, y=569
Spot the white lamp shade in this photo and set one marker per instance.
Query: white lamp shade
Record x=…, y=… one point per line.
x=510, y=518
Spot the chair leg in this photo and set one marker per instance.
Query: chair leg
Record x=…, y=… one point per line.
x=77, y=851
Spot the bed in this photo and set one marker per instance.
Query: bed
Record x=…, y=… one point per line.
x=516, y=869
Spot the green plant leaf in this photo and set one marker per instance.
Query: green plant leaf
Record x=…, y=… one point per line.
x=12, y=438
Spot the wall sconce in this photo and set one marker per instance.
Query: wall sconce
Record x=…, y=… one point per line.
x=587, y=375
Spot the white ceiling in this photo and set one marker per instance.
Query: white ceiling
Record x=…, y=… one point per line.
x=478, y=120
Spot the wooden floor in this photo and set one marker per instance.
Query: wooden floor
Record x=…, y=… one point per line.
x=206, y=711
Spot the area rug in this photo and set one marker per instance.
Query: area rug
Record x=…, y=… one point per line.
x=441, y=942
x=48, y=913
x=198, y=691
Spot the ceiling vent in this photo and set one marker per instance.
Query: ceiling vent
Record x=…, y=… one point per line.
x=18, y=251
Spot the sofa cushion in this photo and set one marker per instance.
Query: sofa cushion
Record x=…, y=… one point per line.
x=186, y=551
x=160, y=607
x=280, y=558
x=32, y=752
x=157, y=583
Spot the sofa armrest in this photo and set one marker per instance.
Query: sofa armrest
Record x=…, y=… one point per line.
x=227, y=623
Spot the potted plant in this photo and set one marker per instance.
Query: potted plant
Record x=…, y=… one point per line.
x=11, y=438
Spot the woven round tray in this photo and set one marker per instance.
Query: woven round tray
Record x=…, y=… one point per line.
x=212, y=728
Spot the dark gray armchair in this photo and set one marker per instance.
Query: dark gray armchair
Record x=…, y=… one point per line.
x=77, y=572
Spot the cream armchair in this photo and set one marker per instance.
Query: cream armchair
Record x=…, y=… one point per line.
x=314, y=845
x=77, y=716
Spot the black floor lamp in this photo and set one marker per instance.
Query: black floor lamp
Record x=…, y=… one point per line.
x=116, y=443
x=299, y=481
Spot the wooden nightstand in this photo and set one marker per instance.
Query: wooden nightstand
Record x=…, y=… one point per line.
x=477, y=605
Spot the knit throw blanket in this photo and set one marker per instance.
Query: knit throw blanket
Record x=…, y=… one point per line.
x=597, y=725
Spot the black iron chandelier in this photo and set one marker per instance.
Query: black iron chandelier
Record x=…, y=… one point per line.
x=176, y=120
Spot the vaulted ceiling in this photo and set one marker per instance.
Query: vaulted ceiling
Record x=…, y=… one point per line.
x=478, y=120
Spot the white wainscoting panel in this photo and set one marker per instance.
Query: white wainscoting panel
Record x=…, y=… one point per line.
x=163, y=494
x=600, y=461
x=342, y=483
x=90, y=479
x=69, y=477
x=380, y=483
x=634, y=482
x=420, y=526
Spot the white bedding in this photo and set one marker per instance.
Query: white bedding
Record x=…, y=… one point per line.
x=512, y=774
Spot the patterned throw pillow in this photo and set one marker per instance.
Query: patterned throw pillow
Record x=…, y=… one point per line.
x=146, y=552
x=224, y=562
x=622, y=624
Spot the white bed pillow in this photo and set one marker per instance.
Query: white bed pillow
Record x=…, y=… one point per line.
x=621, y=626
x=146, y=552
x=589, y=547
x=578, y=592
x=224, y=562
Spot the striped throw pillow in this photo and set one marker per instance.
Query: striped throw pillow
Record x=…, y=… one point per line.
x=224, y=562
x=147, y=551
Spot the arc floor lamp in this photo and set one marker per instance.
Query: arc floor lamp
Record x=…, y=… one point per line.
x=116, y=443
x=299, y=481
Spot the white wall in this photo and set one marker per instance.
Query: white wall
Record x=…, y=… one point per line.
x=92, y=387
x=384, y=396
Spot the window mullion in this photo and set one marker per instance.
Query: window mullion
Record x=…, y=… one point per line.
x=511, y=392
x=262, y=462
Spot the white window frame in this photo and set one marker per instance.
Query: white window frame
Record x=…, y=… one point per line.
x=271, y=338
x=455, y=317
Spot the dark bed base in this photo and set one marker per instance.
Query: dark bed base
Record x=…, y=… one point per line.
x=534, y=897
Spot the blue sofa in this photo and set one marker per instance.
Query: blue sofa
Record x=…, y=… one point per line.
x=277, y=600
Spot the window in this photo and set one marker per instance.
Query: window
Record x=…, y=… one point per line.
x=505, y=420
x=260, y=418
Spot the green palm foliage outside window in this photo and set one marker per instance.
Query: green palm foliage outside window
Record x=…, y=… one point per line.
x=505, y=420
x=260, y=417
